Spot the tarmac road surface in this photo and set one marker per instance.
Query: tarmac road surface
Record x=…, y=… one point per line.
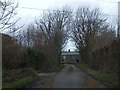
x=73, y=77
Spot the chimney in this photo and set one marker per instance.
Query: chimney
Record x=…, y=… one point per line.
x=69, y=50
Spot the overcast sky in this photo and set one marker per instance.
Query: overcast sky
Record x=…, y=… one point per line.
x=29, y=9
x=107, y=6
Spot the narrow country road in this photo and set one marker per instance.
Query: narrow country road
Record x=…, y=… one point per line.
x=72, y=77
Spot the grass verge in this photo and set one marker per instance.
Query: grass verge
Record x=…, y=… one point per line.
x=20, y=79
x=18, y=83
x=108, y=79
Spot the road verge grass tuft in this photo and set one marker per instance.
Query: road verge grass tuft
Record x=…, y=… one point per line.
x=107, y=78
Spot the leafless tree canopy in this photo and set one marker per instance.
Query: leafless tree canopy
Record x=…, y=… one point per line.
x=87, y=24
x=54, y=26
x=7, y=12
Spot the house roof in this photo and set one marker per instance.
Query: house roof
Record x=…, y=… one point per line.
x=70, y=53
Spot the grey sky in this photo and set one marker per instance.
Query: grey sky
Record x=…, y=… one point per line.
x=109, y=7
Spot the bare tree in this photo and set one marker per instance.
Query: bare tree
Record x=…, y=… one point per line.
x=54, y=26
x=7, y=12
x=86, y=26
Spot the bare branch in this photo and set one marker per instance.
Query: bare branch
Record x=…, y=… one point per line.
x=7, y=12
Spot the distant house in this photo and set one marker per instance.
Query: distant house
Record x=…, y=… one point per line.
x=70, y=57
